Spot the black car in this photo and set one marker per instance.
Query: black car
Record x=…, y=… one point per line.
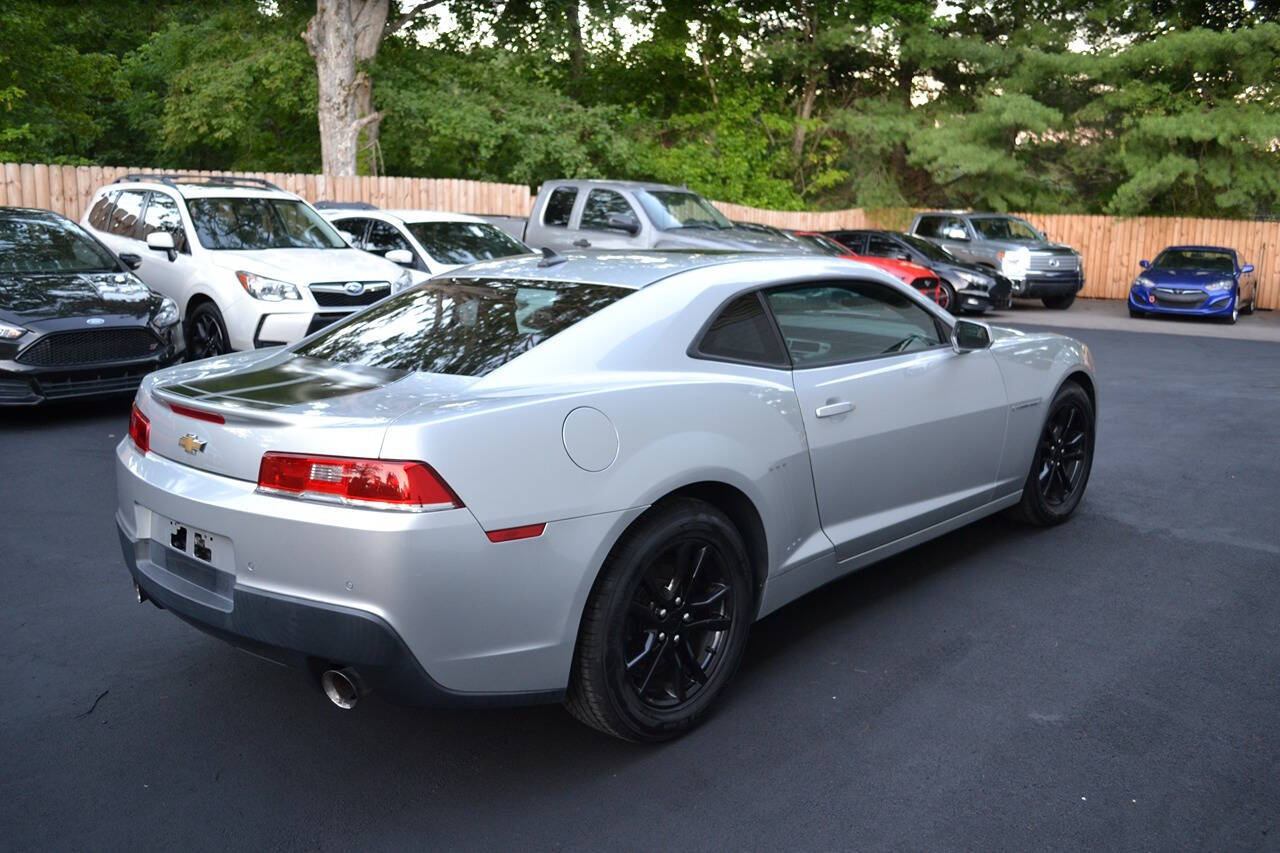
x=972, y=289
x=74, y=320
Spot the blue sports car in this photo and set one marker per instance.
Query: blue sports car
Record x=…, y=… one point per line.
x=1198, y=281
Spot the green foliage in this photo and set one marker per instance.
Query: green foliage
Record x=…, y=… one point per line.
x=1171, y=106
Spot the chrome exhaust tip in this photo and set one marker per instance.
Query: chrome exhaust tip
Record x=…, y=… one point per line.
x=137, y=591
x=343, y=687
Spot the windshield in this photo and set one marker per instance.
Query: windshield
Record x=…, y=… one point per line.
x=1005, y=228
x=39, y=243
x=260, y=223
x=465, y=242
x=462, y=326
x=1195, y=259
x=825, y=245
x=929, y=250
x=678, y=209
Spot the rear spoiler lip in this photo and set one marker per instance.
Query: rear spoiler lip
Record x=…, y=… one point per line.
x=218, y=404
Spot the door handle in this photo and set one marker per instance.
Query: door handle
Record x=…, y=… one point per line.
x=834, y=409
x=582, y=244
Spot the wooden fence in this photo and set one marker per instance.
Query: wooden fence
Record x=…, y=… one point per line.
x=1111, y=246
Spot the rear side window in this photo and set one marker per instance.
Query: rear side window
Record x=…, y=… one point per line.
x=100, y=213
x=883, y=247
x=461, y=326
x=930, y=226
x=742, y=332
x=559, y=207
x=126, y=213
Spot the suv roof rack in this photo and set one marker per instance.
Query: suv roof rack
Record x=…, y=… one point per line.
x=204, y=180
x=344, y=205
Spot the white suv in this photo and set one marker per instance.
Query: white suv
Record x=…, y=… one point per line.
x=428, y=242
x=249, y=264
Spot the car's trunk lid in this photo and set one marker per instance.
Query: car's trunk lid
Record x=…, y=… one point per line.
x=287, y=404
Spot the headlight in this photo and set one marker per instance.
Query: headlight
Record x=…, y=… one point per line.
x=1220, y=284
x=166, y=315
x=267, y=289
x=10, y=333
x=972, y=278
x=1015, y=262
x=403, y=281
x=1143, y=281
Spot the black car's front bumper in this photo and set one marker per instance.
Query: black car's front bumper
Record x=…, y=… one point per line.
x=27, y=382
x=977, y=298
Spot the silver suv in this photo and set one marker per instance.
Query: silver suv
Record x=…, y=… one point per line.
x=1011, y=246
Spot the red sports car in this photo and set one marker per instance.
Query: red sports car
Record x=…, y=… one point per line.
x=921, y=278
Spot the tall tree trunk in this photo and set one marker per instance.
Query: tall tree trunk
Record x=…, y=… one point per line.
x=809, y=91
x=342, y=33
x=577, y=54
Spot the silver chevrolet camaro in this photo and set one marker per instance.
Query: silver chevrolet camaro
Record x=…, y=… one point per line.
x=583, y=477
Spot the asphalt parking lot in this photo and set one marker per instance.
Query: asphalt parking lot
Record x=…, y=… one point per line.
x=1111, y=683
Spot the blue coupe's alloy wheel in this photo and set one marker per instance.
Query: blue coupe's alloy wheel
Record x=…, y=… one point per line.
x=678, y=624
x=1062, y=454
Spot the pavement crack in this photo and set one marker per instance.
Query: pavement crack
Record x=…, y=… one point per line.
x=94, y=705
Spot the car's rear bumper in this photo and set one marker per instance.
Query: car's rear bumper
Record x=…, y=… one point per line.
x=298, y=632
x=436, y=612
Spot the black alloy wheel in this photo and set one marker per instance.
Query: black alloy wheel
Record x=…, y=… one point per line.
x=681, y=612
x=206, y=333
x=666, y=626
x=1063, y=460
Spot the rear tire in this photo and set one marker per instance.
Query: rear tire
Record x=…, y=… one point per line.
x=1058, y=303
x=1252, y=300
x=665, y=626
x=1063, y=459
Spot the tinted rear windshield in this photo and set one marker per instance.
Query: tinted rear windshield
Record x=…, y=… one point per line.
x=462, y=326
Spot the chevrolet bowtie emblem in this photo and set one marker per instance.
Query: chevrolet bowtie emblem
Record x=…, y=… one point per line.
x=192, y=444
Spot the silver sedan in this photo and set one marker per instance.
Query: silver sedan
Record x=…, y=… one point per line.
x=582, y=478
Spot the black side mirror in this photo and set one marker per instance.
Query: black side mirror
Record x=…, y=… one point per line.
x=131, y=260
x=967, y=336
x=623, y=222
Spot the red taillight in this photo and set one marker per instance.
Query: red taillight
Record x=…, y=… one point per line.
x=140, y=429
x=198, y=414
x=507, y=534
x=379, y=483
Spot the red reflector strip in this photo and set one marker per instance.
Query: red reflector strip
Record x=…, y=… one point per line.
x=507, y=534
x=198, y=414
x=140, y=429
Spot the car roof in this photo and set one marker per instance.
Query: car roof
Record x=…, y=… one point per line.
x=630, y=269
x=30, y=212
x=616, y=185
x=210, y=189
x=1198, y=249
x=403, y=215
